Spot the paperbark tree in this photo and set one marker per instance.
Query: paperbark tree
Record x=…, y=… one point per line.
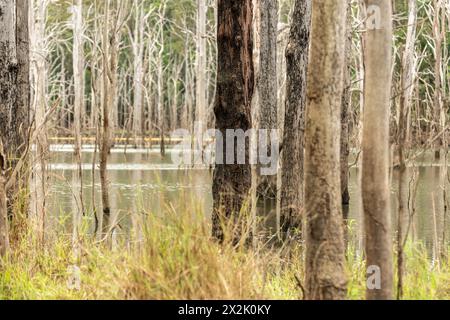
x=325, y=275
x=235, y=81
x=292, y=155
x=14, y=106
x=375, y=146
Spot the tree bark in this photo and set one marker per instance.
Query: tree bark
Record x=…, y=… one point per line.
x=375, y=148
x=266, y=88
x=292, y=156
x=346, y=100
x=14, y=106
x=407, y=87
x=78, y=72
x=39, y=187
x=201, y=67
x=138, y=73
x=325, y=250
x=235, y=81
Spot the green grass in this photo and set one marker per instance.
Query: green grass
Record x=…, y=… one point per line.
x=177, y=260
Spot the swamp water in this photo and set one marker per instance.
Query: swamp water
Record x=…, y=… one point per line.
x=142, y=181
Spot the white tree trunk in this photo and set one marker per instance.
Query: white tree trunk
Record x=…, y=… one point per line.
x=201, y=67
x=325, y=250
x=39, y=105
x=138, y=73
x=375, y=146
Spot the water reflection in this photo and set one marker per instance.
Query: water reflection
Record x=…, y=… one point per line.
x=142, y=181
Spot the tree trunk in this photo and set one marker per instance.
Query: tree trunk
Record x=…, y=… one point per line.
x=325, y=250
x=266, y=88
x=39, y=186
x=160, y=81
x=78, y=72
x=346, y=100
x=438, y=37
x=375, y=148
x=201, y=67
x=235, y=80
x=4, y=223
x=292, y=156
x=407, y=87
x=14, y=105
x=138, y=73
x=105, y=135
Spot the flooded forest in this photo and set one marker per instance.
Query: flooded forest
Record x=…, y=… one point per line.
x=224, y=149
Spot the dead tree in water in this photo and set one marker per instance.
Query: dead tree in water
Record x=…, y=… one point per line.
x=112, y=29
x=235, y=80
x=325, y=275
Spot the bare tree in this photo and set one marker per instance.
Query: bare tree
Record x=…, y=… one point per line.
x=39, y=102
x=325, y=250
x=200, y=66
x=292, y=156
x=375, y=145
x=235, y=80
x=138, y=71
x=345, y=113
x=266, y=86
x=78, y=75
x=407, y=87
x=14, y=106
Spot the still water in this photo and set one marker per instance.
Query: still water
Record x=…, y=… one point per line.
x=142, y=181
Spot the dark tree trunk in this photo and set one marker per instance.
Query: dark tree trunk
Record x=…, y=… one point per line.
x=14, y=106
x=235, y=80
x=267, y=85
x=292, y=156
x=14, y=87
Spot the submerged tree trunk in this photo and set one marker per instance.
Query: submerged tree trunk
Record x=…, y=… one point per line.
x=325, y=251
x=292, y=155
x=235, y=80
x=375, y=170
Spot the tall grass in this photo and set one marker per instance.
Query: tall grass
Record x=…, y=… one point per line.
x=177, y=259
